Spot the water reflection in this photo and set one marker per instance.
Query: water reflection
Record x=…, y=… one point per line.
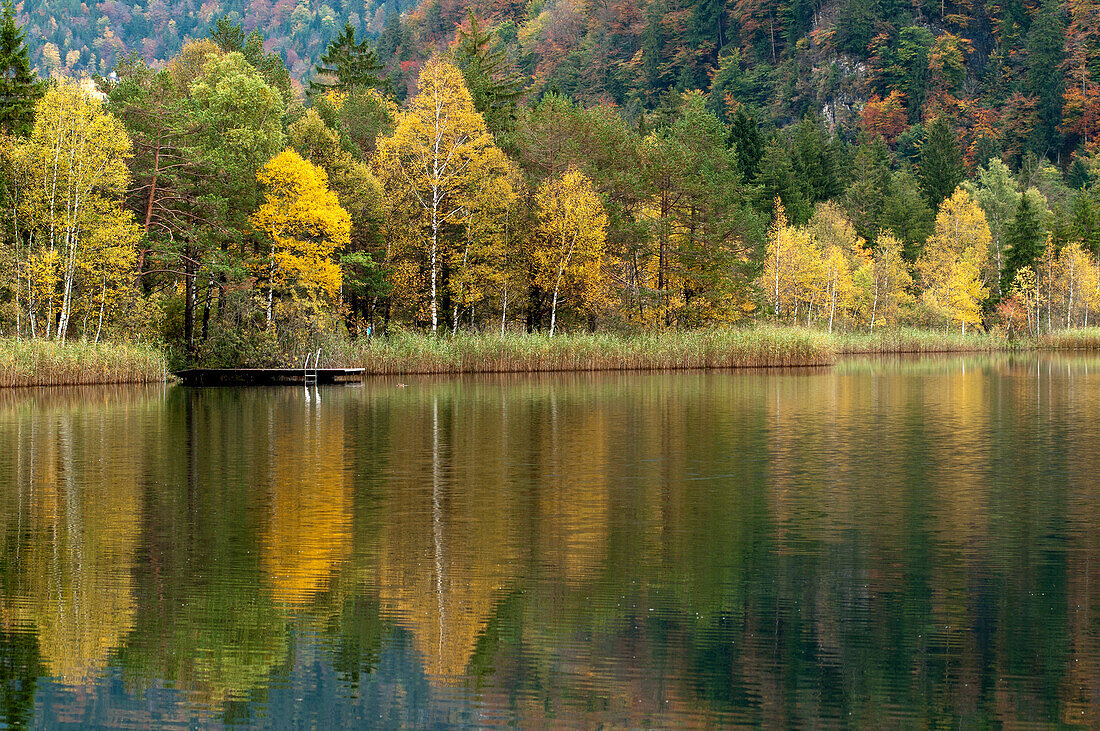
x=888, y=541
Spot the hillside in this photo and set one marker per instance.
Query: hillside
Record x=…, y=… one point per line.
x=1018, y=73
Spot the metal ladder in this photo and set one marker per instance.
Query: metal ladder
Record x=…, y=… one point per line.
x=310, y=375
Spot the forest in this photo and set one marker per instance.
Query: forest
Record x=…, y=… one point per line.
x=846, y=167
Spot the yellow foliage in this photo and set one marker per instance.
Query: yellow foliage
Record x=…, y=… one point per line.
x=305, y=224
x=567, y=257
x=69, y=176
x=953, y=259
x=438, y=169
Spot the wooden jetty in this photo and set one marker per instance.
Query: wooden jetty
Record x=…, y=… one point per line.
x=265, y=376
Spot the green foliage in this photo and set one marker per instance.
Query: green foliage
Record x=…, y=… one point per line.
x=941, y=163
x=1025, y=240
x=347, y=64
x=20, y=88
x=493, y=83
x=748, y=143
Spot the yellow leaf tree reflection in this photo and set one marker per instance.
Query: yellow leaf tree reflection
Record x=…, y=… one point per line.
x=448, y=555
x=78, y=495
x=308, y=532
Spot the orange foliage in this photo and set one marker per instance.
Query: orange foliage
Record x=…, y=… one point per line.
x=885, y=118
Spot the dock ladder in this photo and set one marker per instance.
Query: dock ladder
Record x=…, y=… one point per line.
x=310, y=375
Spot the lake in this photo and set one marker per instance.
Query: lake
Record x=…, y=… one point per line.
x=884, y=542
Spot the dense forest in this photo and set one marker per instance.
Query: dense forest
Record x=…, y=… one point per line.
x=850, y=166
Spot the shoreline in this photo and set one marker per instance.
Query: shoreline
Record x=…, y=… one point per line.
x=36, y=363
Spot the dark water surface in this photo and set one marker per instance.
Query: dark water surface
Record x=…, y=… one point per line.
x=880, y=543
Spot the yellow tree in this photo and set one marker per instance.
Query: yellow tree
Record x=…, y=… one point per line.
x=481, y=265
x=70, y=174
x=842, y=249
x=953, y=259
x=1026, y=290
x=891, y=281
x=434, y=168
x=780, y=274
x=1073, y=272
x=305, y=225
x=839, y=287
x=569, y=249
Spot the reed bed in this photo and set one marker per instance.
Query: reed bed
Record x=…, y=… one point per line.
x=48, y=363
x=410, y=353
x=1086, y=338
x=913, y=340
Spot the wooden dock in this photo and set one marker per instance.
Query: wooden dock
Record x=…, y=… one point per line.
x=265, y=376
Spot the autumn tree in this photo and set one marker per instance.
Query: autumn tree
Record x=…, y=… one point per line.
x=360, y=194
x=70, y=174
x=305, y=226
x=432, y=169
x=886, y=118
x=951, y=263
x=567, y=257
x=889, y=282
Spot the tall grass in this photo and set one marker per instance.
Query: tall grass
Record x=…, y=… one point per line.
x=913, y=340
x=48, y=363
x=1087, y=338
x=413, y=353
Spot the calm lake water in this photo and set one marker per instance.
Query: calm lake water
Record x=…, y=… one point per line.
x=885, y=542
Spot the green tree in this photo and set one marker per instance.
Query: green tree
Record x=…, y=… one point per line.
x=1025, y=241
x=347, y=64
x=996, y=192
x=941, y=163
x=748, y=143
x=20, y=89
x=1045, y=52
x=493, y=83
x=230, y=38
x=705, y=239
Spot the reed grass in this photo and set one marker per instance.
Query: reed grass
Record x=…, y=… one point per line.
x=413, y=353
x=913, y=340
x=1086, y=338
x=48, y=363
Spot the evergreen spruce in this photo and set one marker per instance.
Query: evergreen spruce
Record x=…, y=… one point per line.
x=493, y=84
x=747, y=141
x=1025, y=241
x=1045, y=53
x=941, y=163
x=227, y=35
x=230, y=38
x=1083, y=224
x=19, y=87
x=349, y=64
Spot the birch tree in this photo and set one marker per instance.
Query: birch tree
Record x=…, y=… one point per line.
x=71, y=172
x=433, y=170
x=567, y=256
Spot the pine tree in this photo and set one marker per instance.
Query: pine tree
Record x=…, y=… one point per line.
x=747, y=141
x=815, y=160
x=941, y=163
x=494, y=86
x=1045, y=52
x=349, y=63
x=228, y=36
x=1025, y=241
x=19, y=89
